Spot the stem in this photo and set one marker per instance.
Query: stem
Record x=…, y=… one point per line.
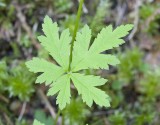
x=62, y=119
x=58, y=114
x=22, y=111
x=75, y=32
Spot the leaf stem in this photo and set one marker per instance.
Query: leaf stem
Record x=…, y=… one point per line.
x=58, y=114
x=75, y=32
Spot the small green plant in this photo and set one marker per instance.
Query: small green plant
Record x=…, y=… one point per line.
x=69, y=23
x=149, y=14
x=76, y=57
x=20, y=83
x=75, y=113
x=131, y=64
x=117, y=118
x=149, y=86
x=63, y=5
x=97, y=22
x=17, y=81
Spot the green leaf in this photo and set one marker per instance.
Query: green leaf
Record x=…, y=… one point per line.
x=36, y=122
x=62, y=85
x=57, y=47
x=50, y=72
x=109, y=38
x=86, y=86
x=85, y=57
x=41, y=116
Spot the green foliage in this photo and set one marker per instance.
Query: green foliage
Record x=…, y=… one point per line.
x=131, y=64
x=69, y=23
x=116, y=93
x=146, y=11
x=140, y=119
x=133, y=89
x=25, y=41
x=129, y=69
x=3, y=74
x=86, y=86
x=63, y=5
x=17, y=81
x=83, y=58
x=150, y=16
x=36, y=122
x=22, y=122
x=20, y=83
x=149, y=85
x=62, y=85
x=5, y=19
x=75, y=113
x=97, y=22
x=41, y=117
x=117, y=118
x=144, y=114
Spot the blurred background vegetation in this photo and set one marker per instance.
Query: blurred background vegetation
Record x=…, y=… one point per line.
x=134, y=85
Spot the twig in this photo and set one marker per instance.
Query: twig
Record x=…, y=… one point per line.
x=101, y=113
x=106, y=122
x=22, y=111
x=4, y=98
x=47, y=103
x=7, y=119
x=136, y=20
x=26, y=27
x=121, y=11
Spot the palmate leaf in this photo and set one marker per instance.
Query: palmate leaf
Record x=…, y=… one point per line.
x=58, y=47
x=50, y=72
x=62, y=85
x=86, y=85
x=84, y=57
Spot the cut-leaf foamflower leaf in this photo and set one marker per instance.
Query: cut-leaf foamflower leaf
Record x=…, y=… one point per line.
x=84, y=57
